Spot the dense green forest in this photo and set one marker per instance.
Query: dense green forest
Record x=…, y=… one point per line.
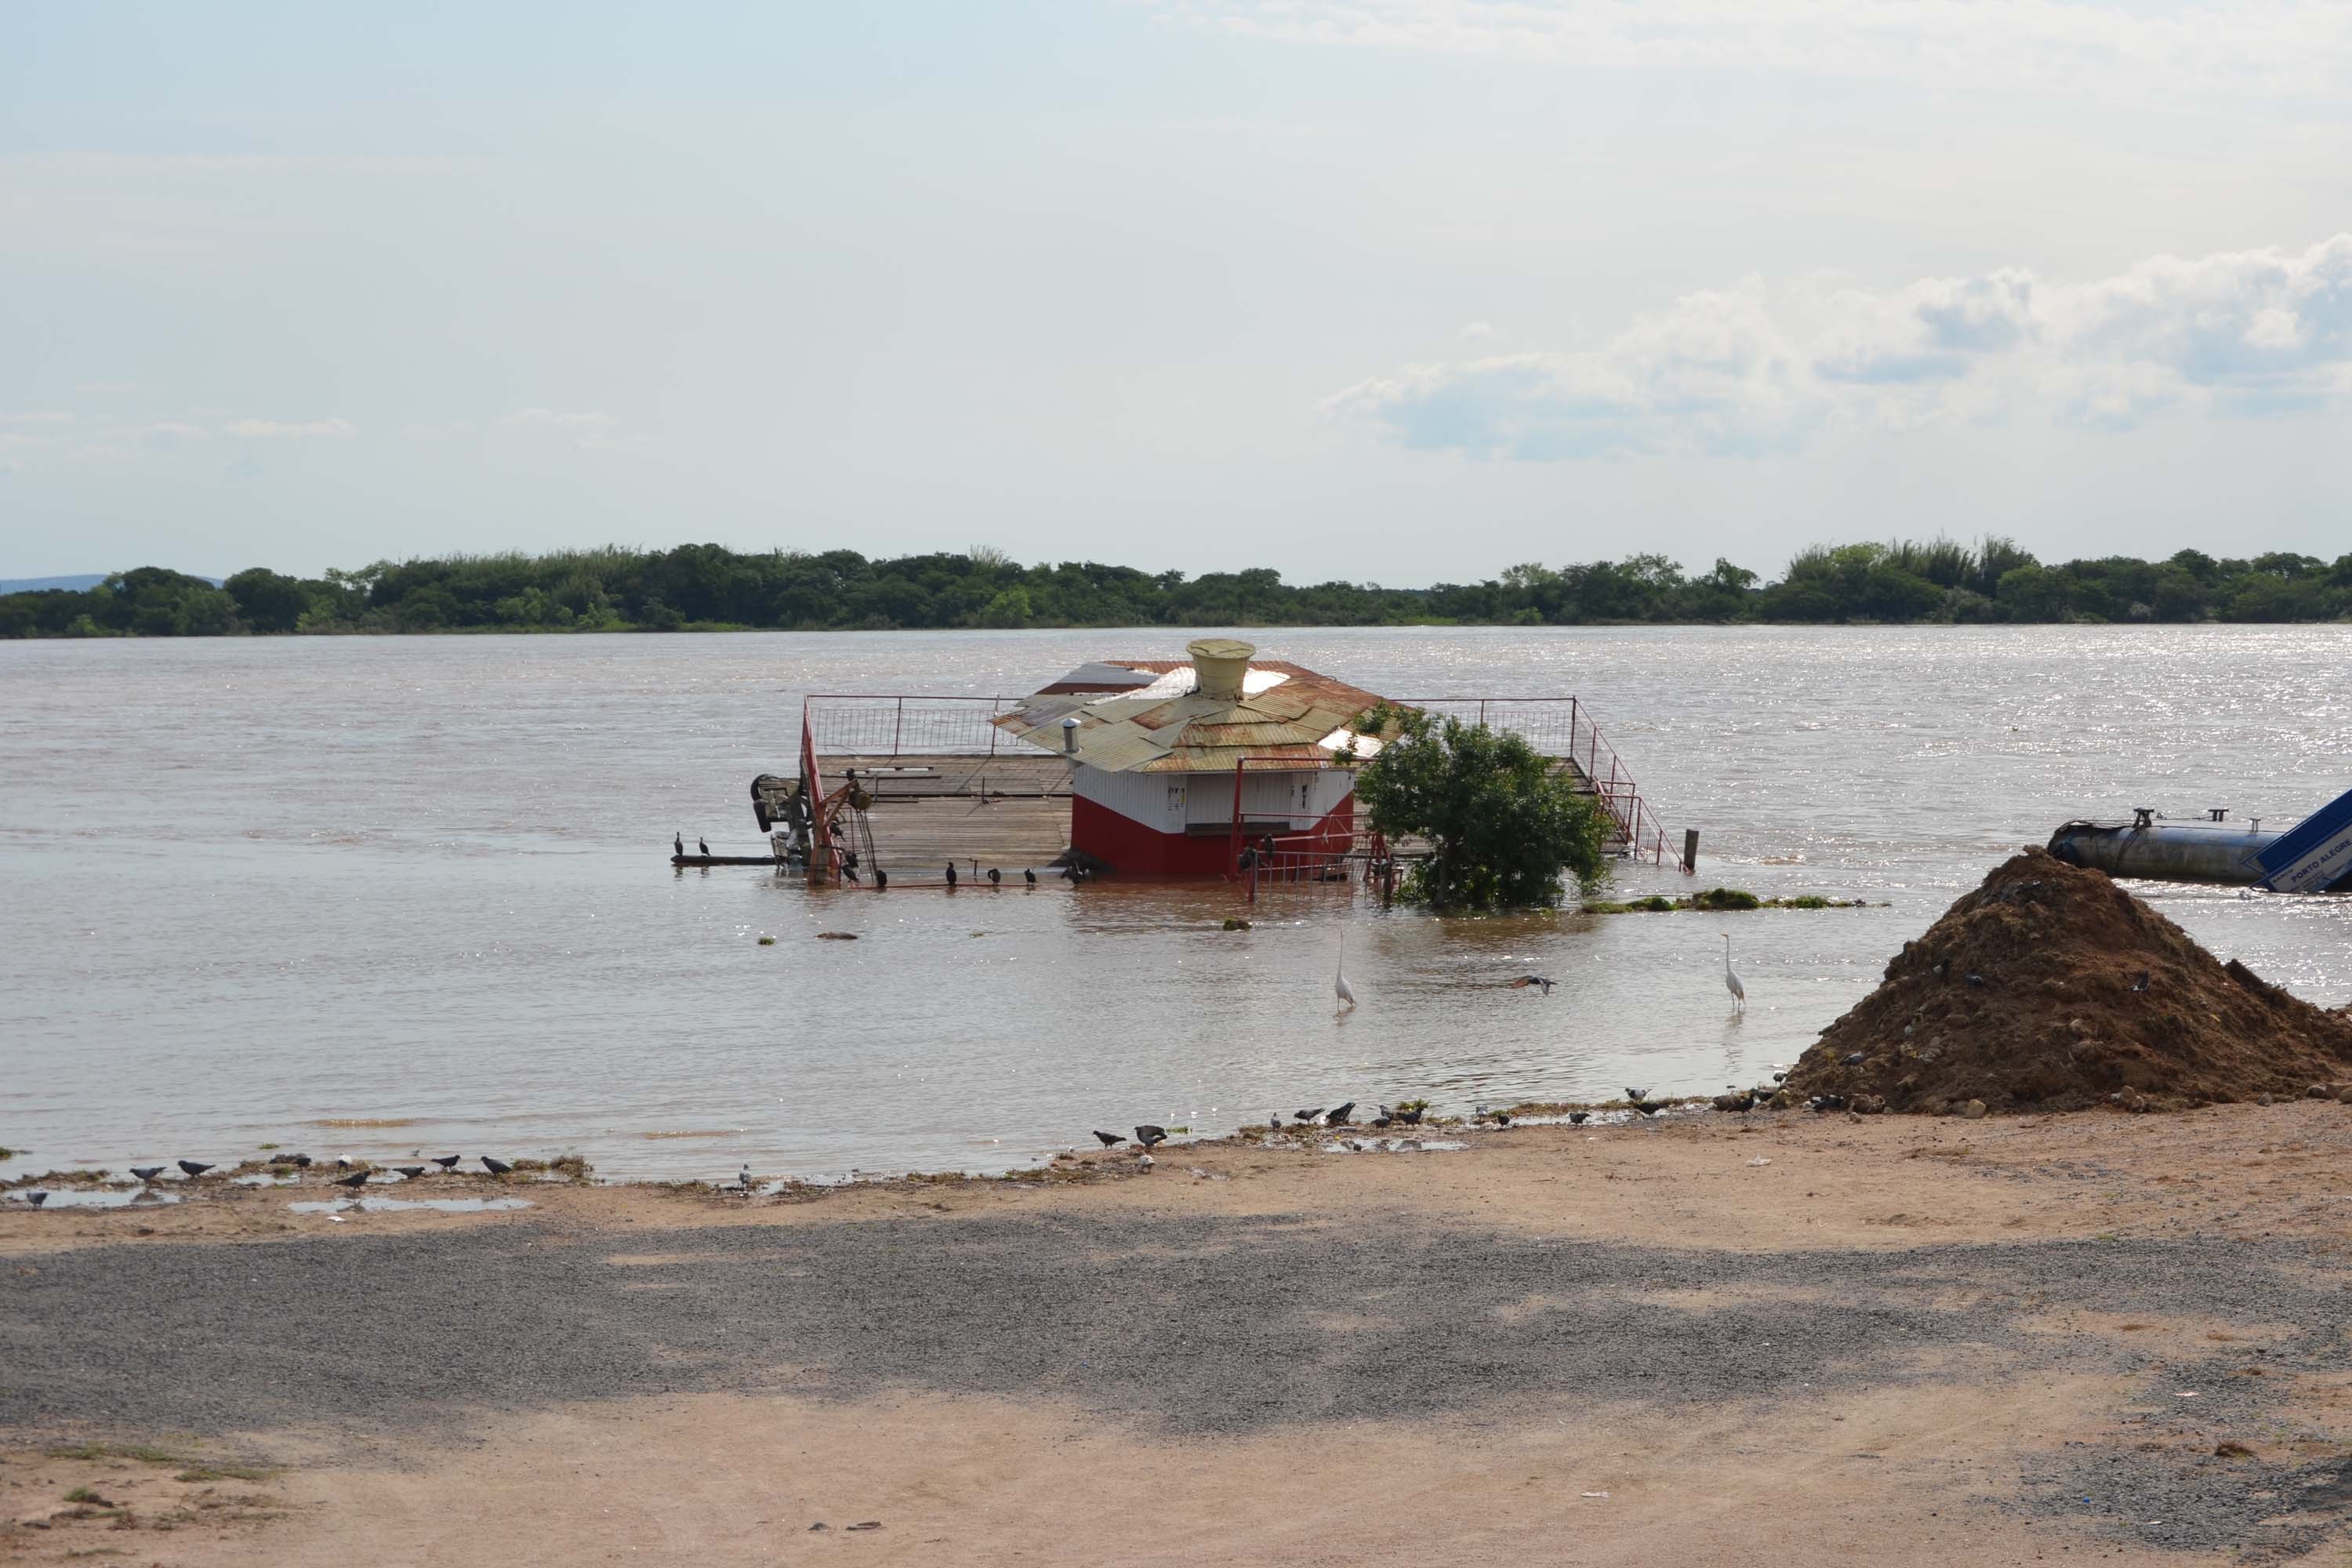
x=706, y=587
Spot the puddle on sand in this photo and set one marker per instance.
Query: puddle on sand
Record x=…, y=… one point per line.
x=1393, y=1146
x=395, y=1206
x=264, y=1179
x=100, y=1197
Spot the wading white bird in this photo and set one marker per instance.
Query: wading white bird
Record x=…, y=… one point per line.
x=1731, y=977
x=1347, y=992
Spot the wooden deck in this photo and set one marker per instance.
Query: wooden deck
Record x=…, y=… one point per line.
x=1012, y=811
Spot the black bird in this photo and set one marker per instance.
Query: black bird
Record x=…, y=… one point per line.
x=1108, y=1139
x=1646, y=1107
x=951, y=874
x=677, y=842
x=1308, y=1115
x=1149, y=1135
x=411, y=1172
x=881, y=879
x=192, y=1168
x=1502, y=1117
x=2141, y=983
x=1825, y=1103
x=994, y=875
x=36, y=1198
x=495, y=1167
x=1384, y=1119
x=1973, y=978
x=146, y=1173
x=1524, y=981
x=849, y=872
x=1637, y=1095
x=356, y=1179
x=1410, y=1118
x=447, y=1162
x=703, y=845
x=1029, y=877
x=1338, y=1117
x=1576, y=1117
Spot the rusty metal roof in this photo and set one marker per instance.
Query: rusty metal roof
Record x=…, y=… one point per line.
x=1284, y=712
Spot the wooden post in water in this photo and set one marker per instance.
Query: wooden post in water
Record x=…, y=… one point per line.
x=1690, y=848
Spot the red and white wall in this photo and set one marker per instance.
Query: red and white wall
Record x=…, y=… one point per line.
x=1178, y=824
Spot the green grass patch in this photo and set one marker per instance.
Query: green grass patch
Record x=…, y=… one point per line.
x=190, y=1468
x=212, y=1470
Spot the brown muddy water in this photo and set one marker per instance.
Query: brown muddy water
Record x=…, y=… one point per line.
x=380, y=895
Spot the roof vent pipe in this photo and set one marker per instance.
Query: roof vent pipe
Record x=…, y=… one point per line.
x=1218, y=666
x=1070, y=737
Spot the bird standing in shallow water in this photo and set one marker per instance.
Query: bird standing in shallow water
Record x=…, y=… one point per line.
x=951, y=874
x=1029, y=875
x=355, y=1180
x=410, y=1172
x=1731, y=977
x=1345, y=992
x=146, y=1173
x=994, y=875
x=881, y=879
x=192, y=1168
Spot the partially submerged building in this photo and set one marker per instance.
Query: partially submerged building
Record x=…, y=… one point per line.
x=1180, y=768
x=1171, y=760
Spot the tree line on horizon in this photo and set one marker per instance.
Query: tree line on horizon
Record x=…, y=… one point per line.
x=708, y=587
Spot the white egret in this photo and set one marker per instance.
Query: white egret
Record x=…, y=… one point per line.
x=1731, y=977
x=1347, y=992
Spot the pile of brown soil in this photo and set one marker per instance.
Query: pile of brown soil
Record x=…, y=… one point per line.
x=2050, y=988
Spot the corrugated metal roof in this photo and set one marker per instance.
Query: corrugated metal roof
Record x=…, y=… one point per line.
x=1286, y=712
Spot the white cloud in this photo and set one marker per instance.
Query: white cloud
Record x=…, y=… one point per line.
x=1750, y=367
x=37, y=416
x=2200, y=47
x=274, y=429
x=548, y=418
x=98, y=164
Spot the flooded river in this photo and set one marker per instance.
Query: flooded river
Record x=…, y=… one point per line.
x=376, y=895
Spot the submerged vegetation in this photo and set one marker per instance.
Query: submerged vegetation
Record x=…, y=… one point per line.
x=1718, y=900
x=708, y=587
x=1502, y=824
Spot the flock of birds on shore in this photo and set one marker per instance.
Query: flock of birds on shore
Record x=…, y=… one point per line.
x=355, y=1177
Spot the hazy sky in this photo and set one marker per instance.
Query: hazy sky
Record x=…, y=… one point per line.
x=1392, y=289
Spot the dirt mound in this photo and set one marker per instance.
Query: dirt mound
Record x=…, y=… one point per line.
x=2050, y=988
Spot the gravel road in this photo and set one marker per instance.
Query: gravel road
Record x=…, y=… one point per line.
x=1198, y=1326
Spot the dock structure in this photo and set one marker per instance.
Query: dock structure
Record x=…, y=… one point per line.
x=1219, y=766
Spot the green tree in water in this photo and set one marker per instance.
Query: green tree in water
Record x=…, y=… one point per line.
x=1502, y=824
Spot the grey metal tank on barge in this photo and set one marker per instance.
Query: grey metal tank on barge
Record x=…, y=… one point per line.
x=2213, y=850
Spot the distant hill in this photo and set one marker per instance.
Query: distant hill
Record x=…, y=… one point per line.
x=80, y=583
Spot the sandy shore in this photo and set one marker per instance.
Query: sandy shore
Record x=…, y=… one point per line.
x=1779, y=1338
